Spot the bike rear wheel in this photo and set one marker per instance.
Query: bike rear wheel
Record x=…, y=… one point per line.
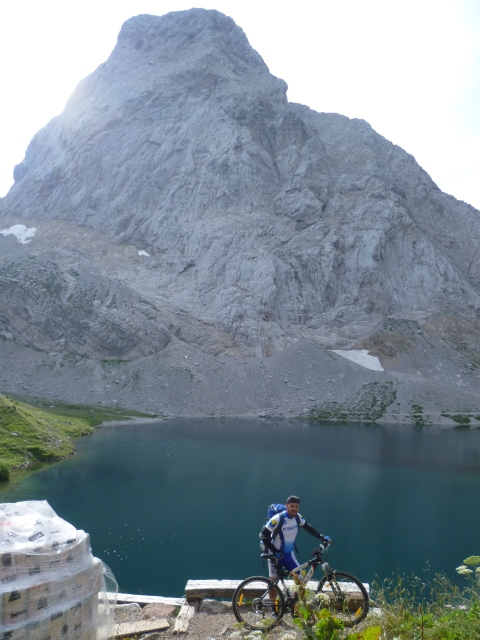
x=258, y=603
x=345, y=597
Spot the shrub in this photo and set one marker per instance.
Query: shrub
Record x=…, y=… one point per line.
x=4, y=472
x=316, y=623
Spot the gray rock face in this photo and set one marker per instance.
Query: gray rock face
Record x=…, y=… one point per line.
x=265, y=222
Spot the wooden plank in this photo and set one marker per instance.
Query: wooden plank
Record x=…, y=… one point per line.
x=184, y=617
x=225, y=588
x=128, y=598
x=210, y=588
x=213, y=583
x=199, y=589
x=139, y=626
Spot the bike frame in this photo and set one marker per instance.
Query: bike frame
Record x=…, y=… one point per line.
x=302, y=575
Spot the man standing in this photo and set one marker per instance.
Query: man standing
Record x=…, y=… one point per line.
x=279, y=534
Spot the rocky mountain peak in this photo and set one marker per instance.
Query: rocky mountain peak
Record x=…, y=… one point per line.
x=187, y=37
x=259, y=222
x=180, y=85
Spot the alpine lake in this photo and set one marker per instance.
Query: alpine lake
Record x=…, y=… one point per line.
x=169, y=501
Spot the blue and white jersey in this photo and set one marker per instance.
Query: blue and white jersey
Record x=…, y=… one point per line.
x=284, y=540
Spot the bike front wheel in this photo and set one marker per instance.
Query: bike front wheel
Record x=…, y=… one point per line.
x=344, y=596
x=258, y=603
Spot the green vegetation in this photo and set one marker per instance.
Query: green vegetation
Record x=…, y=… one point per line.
x=417, y=416
x=136, y=378
x=110, y=366
x=436, y=609
x=4, y=472
x=28, y=434
x=368, y=405
x=84, y=295
x=324, y=626
x=43, y=432
x=458, y=418
x=317, y=623
x=468, y=352
x=93, y=415
x=46, y=277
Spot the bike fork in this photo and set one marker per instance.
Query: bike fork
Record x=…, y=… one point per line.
x=331, y=580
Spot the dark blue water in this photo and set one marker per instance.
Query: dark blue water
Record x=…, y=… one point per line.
x=175, y=500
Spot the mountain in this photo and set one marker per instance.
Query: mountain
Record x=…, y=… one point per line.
x=185, y=210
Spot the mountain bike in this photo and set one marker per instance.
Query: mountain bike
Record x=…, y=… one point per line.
x=260, y=603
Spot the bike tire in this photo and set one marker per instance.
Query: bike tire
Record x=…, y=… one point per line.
x=253, y=606
x=348, y=598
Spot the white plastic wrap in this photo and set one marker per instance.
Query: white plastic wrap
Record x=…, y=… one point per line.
x=51, y=586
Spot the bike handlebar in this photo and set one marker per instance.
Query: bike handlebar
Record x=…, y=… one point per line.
x=316, y=552
x=322, y=547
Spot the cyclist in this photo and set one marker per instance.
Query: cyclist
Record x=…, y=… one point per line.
x=279, y=533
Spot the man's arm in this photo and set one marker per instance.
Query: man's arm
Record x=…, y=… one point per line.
x=266, y=538
x=313, y=532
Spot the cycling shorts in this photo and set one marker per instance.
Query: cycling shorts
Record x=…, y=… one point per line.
x=289, y=561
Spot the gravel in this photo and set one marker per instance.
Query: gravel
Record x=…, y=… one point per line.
x=212, y=621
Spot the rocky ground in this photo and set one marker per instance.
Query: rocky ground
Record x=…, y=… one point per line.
x=417, y=386
x=214, y=620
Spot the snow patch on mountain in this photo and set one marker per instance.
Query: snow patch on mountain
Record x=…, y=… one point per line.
x=361, y=357
x=21, y=232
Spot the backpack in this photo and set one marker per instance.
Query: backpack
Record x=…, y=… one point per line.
x=273, y=510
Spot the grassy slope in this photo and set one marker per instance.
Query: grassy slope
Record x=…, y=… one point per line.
x=44, y=433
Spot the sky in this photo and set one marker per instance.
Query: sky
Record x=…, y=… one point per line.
x=410, y=68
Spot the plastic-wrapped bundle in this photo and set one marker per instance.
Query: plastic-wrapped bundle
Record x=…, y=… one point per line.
x=51, y=586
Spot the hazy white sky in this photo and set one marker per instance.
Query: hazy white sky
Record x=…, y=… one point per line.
x=411, y=68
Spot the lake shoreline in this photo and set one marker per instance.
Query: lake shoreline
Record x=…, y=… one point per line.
x=305, y=380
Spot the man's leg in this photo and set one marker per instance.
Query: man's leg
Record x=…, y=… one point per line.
x=272, y=572
x=290, y=561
